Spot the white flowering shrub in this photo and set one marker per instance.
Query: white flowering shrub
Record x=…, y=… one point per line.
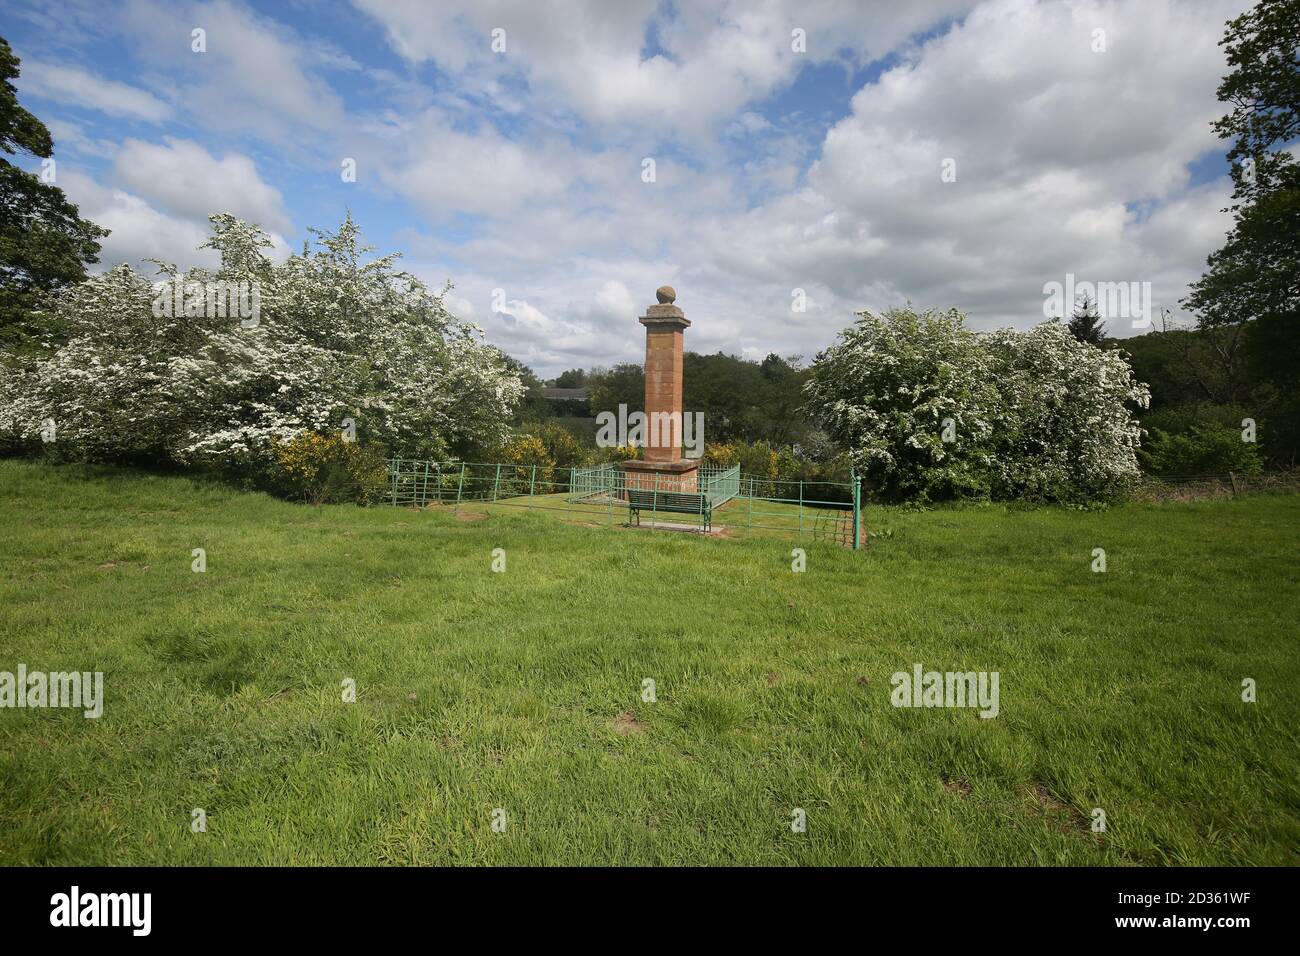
x=108, y=390
x=884, y=391
x=336, y=337
x=929, y=409
x=1067, y=430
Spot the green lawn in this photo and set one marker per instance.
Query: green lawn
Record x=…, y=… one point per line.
x=522, y=690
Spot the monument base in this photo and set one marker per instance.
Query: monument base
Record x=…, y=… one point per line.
x=680, y=475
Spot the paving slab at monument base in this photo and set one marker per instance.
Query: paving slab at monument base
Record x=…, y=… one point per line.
x=661, y=525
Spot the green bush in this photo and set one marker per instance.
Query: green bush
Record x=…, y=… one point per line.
x=1209, y=448
x=1178, y=419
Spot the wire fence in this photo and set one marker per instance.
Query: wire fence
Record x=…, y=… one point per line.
x=1191, y=486
x=724, y=501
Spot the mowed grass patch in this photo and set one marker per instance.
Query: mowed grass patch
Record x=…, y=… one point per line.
x=523, y=690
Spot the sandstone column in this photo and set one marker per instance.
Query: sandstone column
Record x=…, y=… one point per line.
x=662, y=466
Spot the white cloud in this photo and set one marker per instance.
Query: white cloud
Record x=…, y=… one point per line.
x=184, y=178
x=256, y=75
x=73, y=138
x=1052, y=142
x=74, y=86
x=445, y=170
x=591, y=57
x=137, y=230
x=1057, y=148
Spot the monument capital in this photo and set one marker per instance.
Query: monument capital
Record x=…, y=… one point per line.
x=664, y=314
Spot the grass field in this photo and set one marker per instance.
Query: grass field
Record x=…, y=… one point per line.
x=522, y=690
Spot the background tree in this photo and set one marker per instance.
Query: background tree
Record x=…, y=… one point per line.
x=44, y=244
x=782, y=401
x=741, y=400
x=533, y=407
x=1086, y=324
x=1255, y=277
x=572, y=378
x=1200, y=393
x=623, y=384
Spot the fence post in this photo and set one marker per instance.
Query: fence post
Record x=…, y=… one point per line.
x=857, y=510
x=1233, y=478
x=397, y=468
x=749, y=507
x=532, y=484
x=424, y=492
x=460, y=486
x=801, y=508
x=496, y=484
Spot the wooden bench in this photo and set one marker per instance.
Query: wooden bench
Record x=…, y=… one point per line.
x=681, y=502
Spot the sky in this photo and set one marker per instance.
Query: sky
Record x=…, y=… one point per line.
x=782, y=164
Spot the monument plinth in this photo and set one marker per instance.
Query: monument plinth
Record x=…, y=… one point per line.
x=663, y=467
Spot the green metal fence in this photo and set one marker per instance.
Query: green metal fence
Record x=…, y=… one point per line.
x=594, y=481
x=724, y=502
x=720, y=484
x=416, y=483
x=815, y=508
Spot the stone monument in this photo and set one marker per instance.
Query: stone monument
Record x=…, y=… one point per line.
x=662, y=467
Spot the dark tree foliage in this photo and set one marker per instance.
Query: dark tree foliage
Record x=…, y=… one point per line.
x=44, y=244
x=533, y=406
x=1248, y=301
x=624, y=384
x=740, y=399
x=1263, y=89
x=1256, y=275
x=1086, y=324
x=1199, y=380
x=572, y=378
x=745, y=400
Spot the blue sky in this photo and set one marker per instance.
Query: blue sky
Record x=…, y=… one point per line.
x=778, y=170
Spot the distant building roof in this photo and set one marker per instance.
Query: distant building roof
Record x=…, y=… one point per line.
x=566, y=394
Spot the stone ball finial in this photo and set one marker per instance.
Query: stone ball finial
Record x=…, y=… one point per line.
x=666, y=294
